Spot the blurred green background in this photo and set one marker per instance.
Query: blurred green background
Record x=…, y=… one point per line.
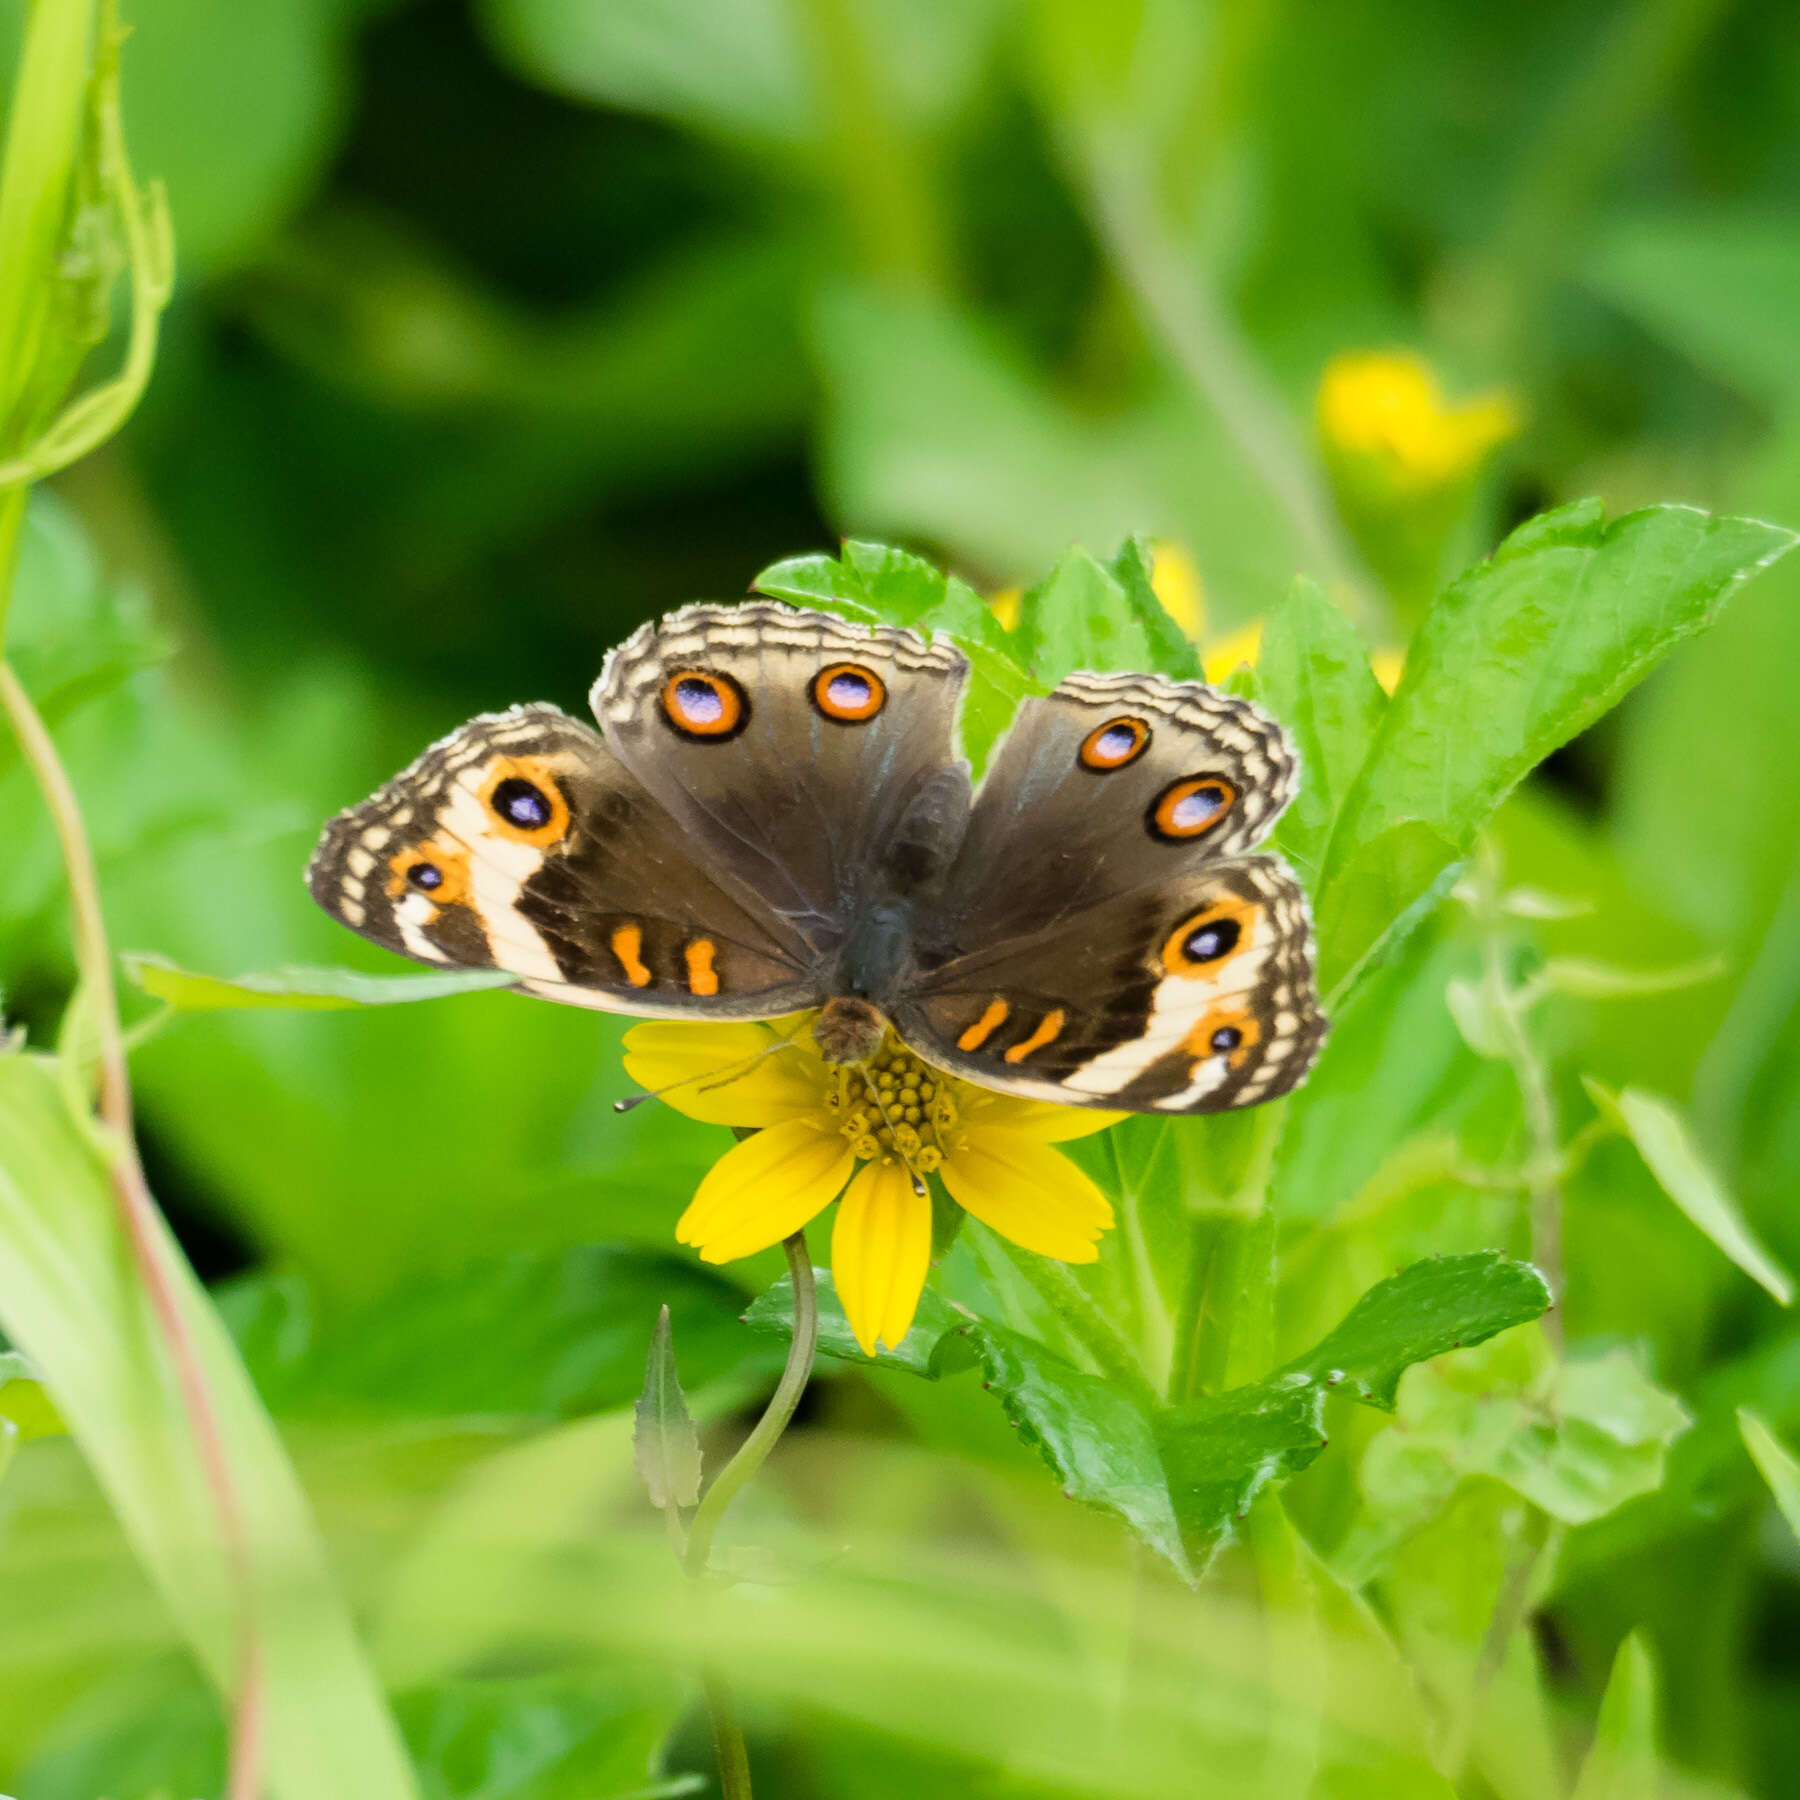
x=504, y=326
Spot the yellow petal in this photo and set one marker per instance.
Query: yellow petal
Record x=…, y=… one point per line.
x=1041, y=1119
x=880, y=1251
x=765, y=1189
x=1021, y=1188
x=713, y=1072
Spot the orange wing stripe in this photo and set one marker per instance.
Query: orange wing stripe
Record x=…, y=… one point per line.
x=1049, y=1029
x=627, y=942
x=703, y=978
x=984, y=1027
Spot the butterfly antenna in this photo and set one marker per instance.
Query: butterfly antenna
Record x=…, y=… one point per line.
x=722, y=1076
x=874, y=1093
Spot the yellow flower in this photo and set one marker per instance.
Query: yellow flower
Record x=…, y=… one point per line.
x=1007, y=605
x=822, y=1131
x=1387, y=406
x=1175, y=580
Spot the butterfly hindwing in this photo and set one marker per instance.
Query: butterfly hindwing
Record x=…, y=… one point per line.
x=521, y=843
x=1191, y=994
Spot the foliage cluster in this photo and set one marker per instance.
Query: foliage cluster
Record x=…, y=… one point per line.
x=502, y=327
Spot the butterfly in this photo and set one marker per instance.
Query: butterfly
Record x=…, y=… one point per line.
x=774, y=817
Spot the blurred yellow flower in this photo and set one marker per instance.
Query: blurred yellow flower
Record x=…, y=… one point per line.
x=821, y=1131
x=1175, y=580
x=1221, y=655
x=1387, y=405
x=1389, y=665
x=1007, y=605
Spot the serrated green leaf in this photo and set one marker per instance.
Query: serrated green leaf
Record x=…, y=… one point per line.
x=1434, y=1306
x=664, y=1435
x=300, y=990
x=1222, y=1452
x=1621, y=1763
x=1577, y=1439
x=1513, y=660
x=1777, y=1464
x=1172, y=653
x=1660, y=1132
x=1077, y=617
x=1313, y=674
x=1096, y=1442
x=877, y=582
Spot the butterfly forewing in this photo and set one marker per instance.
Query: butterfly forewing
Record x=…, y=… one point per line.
x=792, y=748
x=520, y=843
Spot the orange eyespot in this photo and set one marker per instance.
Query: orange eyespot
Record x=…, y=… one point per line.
x=1191, y=807
x=441, y=875
x=1227, y=1031
x=524, y=800
x=1204, y=940
x=1114, y=744
x=849, y=693
x=708, y=707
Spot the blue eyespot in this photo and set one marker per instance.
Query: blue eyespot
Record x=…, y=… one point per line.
x=1216, y=938
x=523, y=804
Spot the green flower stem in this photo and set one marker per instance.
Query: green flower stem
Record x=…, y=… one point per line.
x=754, y=1451
x=728, y=1737
x=1545, y=1157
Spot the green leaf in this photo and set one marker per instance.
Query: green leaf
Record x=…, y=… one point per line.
x=1582, y=978
x=1434, y=1306
x=571, y=1735
x=1663, y=1139
x=1171, y=651
x=1515, y=658
x=1621, y=1764
x=1780, y=1469
x=1313, y=674
x=1222, y=1452
x=1577, y=1439
x=664, y=1435
x=299, y=990
x=73, y=1302
x=528, y=1335
x=1077, y=617
x=1097, y=1443
x=925, y=1350
x=875, y=582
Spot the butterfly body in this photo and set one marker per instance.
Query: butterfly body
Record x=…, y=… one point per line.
x=773, y=817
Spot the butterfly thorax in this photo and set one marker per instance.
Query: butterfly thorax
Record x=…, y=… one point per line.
x=849, y=1030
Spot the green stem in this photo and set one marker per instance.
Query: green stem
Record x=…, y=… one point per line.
x=734, y=1757
x=138, y=1217
x=42, y=143
x=1230, y=1291
x=754, y=1451
x=1057, y=1287
x=728, y=1738
x=1207, y=346
x=1544, y=1160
